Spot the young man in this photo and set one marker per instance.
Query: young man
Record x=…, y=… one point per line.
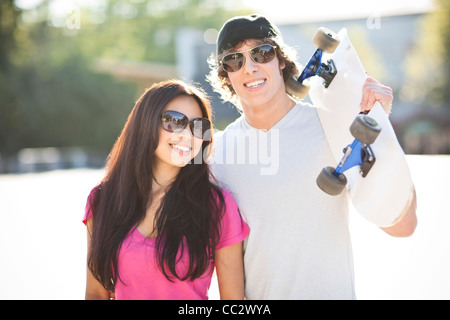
x=299, y=244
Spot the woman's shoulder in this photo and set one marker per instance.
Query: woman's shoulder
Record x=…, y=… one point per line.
x=90, y=200
x=94, y=191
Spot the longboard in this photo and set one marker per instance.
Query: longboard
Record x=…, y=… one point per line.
x=387, y=189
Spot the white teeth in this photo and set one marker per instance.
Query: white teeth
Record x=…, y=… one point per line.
x=182, y=148
x=254, y=84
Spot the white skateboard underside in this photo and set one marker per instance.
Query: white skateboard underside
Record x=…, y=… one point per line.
x=383, y=194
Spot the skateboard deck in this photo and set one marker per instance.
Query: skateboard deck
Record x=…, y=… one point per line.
x=387, y=189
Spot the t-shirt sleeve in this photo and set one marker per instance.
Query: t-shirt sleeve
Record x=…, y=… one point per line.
x=87, y=210
x=234, y=229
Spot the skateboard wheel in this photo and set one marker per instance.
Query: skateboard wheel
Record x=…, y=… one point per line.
x=365, y=129
x=329, y=183
x=326, y=40
x=296, y=89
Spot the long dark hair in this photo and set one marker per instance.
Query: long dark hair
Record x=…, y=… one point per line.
x=190, y=212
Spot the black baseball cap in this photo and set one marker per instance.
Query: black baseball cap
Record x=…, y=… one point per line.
x=239, y=28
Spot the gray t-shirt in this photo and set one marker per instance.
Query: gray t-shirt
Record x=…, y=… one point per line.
x=299, y=244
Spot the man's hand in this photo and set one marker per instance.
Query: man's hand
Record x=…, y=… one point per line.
x=374, y=91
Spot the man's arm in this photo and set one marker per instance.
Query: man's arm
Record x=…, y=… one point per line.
x=373, y=91
x=406, y=223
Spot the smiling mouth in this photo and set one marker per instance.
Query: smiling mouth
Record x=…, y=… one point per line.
x=254, y=84
x=181, y=148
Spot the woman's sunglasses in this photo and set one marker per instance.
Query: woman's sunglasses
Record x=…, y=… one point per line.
x=174, y=121
x=261, y=54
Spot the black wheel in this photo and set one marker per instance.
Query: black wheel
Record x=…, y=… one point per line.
x=326, y=40
x=329, y=183
x=296, y=89
x=365, y=129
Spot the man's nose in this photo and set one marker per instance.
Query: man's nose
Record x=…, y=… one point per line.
x=250, y=66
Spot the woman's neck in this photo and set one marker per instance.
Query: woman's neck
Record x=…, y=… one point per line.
x=164, y=176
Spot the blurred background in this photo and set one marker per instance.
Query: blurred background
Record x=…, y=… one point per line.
x=71, y=71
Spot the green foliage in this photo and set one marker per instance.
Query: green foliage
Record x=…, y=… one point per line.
x=61, y=107
x=427, y=68
x=49, y=93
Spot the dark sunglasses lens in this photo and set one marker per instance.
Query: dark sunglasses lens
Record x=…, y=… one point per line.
x=263, y=54
x=233, y=62
x=199, y=127
x=173, y=121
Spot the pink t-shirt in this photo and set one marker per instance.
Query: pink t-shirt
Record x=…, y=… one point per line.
x=141, y=276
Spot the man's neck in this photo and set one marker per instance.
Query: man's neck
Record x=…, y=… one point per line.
x=264, y=117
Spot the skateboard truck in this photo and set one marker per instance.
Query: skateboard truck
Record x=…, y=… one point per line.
x=356, y=154
x=326, y=41
x=368, y=160
x=315, y=67
x=359, y=153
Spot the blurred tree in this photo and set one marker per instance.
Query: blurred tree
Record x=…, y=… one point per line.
x=8, y=24
x=427, y=68
x=145, y=30
x=49, y=94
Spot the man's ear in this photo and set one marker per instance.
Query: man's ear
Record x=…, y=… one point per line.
x=282, y=65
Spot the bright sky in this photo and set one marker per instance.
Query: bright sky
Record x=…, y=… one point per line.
x=286, y=11
x=282, y=11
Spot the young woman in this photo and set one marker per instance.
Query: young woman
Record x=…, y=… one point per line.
x=157, y=223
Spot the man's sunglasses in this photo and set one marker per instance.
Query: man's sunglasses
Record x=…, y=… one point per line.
x=174, y=121
x=263, y=53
